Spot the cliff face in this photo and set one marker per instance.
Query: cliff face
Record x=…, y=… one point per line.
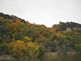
x=69, y=26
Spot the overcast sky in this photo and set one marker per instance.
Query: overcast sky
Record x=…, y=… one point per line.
x=47, y=12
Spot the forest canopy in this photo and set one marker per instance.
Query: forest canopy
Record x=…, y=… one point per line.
x=19, y=37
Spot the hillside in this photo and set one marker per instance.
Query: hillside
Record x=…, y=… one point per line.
x=18, y=36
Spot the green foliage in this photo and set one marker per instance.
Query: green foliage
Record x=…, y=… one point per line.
x=29, y=39
x=4, y=48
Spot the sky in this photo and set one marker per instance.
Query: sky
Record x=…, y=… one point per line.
x=47, y=12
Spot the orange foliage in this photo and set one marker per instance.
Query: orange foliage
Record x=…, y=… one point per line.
x=15, y=24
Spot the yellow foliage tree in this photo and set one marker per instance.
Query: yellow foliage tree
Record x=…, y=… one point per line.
x=27, y=39
x=17, y=47
x=32, y=49
x=21, y=48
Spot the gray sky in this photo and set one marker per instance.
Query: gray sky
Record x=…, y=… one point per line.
x=47, y=12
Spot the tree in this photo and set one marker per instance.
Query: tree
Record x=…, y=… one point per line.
x=17, y=47
x=20, y=48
